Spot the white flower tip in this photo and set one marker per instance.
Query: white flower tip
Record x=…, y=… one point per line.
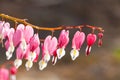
x=12, y=77
x=32, y=56
x=60, y=53
x=54, y=60
x=18, y=63
x=23, y=45
x=42, y=64
x=47, y=57
x=28, y=65
x=8, y=55
x=74, y=54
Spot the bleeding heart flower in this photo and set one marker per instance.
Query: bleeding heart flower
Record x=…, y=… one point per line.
x=4, y=29
x=62, y=43
x=77, y=42
x=4, y=74
x=91, y=38
x=48, y=48
x=32, y=51
x=9, y=44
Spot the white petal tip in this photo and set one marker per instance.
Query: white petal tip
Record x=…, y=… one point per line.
x=28, y=65
x=8, y=55
x=74, y=54
x=47, y=57
x=60, y=53
x=18, y=63
x=42, y=64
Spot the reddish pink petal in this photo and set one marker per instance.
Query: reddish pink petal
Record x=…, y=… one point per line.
x=13, y=70
x=91, y=38
x=17, y=37
x=37, y=51
x=63, y=39
x=34, y=42
x=100, y=35
x=100, y=42
x=4, y=74
x=78, y=40
x=7, y=44
x=28, y=33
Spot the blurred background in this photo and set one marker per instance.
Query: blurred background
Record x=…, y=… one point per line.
x=102, y=64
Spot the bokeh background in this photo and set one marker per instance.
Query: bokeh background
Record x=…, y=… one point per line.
x=102, y=64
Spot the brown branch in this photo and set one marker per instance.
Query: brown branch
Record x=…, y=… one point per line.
x=46, y=28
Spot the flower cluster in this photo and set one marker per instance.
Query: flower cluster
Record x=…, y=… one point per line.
x=26, y=44
x=6, y=74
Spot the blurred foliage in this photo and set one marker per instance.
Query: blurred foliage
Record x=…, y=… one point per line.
x=116, y=54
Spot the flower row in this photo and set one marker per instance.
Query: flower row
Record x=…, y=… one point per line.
x=27, y=44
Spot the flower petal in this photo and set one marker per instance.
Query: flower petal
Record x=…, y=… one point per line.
x=42, y=64
x=28, y=30
x=74, y=54
x=60, y=53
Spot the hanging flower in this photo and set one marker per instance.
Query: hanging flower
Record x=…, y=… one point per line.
x=48, y=48
x=9, y=44
x=32, y=51
x=62, y=43
x=77, y=42
x=91, y=38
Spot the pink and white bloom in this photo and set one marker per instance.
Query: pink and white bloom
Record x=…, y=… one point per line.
x=91, y=38
x=77, y=42
x=32, y=51
x=62, y=43
x=4, y=74
x=48, y=48
x=9, y=43
x=21, y=39
x=4, y=29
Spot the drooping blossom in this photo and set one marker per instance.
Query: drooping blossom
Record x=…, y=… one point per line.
x=62, y=43
x=4, y=74
x=32, y=51
x=9, y=43
x=100, y=36
x=21, y=39
x=48, y=48
x=4, y=29
x=13, y=71
x=91, y=38
x=77, y=42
